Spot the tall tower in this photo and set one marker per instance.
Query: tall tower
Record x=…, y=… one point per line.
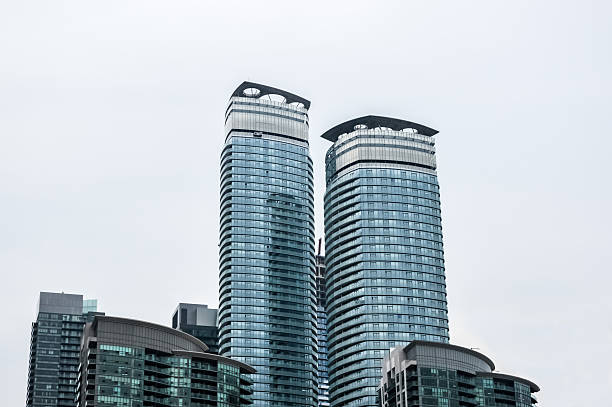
x=267, y=303
x=383, y=250
x=54, y=348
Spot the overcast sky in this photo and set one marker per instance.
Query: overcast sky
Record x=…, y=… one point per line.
x=111, y=127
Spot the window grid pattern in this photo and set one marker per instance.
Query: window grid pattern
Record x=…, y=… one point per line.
x=123, y=376
x=54, y=359
x=384, y=255
x=267, y=311
x=54, y=349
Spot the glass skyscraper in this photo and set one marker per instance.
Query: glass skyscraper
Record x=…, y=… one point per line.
x=54, y=348
x=383, y=244
x=267, y=303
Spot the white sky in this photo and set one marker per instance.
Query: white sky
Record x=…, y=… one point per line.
x=111, y=126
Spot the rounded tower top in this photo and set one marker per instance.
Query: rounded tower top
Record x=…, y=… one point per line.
x=371, y=122
x=258, y=91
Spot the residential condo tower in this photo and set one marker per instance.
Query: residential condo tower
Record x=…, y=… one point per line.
x=54, y=348
x=383, y=250
x=267, y=304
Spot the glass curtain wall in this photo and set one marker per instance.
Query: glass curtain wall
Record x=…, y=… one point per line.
x=384, y=256
x=267, y=311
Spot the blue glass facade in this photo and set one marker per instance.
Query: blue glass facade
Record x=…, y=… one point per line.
x=267, y=306
x=384, y=255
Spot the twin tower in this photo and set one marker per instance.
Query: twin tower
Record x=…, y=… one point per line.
x=385, y=284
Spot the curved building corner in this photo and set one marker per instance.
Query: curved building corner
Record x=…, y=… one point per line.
x=440, y=374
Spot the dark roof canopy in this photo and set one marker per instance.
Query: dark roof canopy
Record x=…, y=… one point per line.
x=453, y=347
x=201, y=346
x=373, y=122
x=268, y=90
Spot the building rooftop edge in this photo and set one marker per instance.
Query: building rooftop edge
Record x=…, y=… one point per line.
x=269, y=90
x=167, y=329
x=197, y=305
x=534, y=387
x=372, y=121
x=454, y=347
x=219, y=358
x=62, y=293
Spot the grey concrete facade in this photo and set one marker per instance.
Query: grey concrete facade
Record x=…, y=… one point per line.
x=194, y=314
x=60, y=303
